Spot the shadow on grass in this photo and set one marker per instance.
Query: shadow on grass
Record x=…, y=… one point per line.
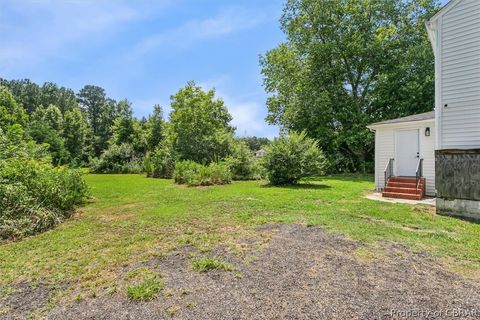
x=315, y=183
x=343, y=177
x=299, y=186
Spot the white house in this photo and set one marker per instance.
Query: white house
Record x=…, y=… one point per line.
x=259, y=153
x=455, y=36
x=448, y=139
x=403, y=148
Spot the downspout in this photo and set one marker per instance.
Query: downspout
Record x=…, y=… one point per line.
x=434, y=34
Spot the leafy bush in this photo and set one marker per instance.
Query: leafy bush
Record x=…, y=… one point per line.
x=186, y=171
x=194, y=174
x=215, y=173
x=34, y=195
x=291, y=158
x=242, y=163
x=118, y=159
x=160, y=163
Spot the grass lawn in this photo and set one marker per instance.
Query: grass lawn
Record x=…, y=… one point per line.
x=132, y=219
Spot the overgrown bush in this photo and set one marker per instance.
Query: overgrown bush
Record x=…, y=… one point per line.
x=34, y=195
x=194, y=174
x=291, y=158
x=242, y=163
x=160, y=163
x=118, y=159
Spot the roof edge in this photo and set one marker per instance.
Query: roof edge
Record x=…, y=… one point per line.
x=443, y=10
x=378, y=125
x=420, y=117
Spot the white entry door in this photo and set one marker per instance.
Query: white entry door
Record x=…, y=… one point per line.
x=407, y=152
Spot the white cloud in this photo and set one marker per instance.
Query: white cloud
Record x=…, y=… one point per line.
x=248, y=115
x=249, y=118
x=228, y=21
x=32, y=31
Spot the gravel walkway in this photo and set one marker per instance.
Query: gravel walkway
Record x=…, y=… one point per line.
x=303, y=273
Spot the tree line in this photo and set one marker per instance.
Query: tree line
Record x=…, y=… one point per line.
x=47, y=132
x=88, y=128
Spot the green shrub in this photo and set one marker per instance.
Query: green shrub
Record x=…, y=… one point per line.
x=160, y=163
x=186, y=172
x=215, y=173
x=118, y=159
x=194, y=174
x=34, y=195
x=242, y=163
x=291, y=158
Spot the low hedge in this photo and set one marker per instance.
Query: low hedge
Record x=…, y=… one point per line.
x=118, y=159
x=194, y=174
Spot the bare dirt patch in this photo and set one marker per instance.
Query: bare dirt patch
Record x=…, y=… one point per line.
x=22, y=300
x=301, y=273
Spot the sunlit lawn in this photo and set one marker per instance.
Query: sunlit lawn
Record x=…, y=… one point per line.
x=131, y=218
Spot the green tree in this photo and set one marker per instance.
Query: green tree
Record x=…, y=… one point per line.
x=10, y=112
x=26, y=93
x=51, y=116
x=48, y=94
x=346, y=64
x=200, y=125
x=123, y=125
x=46, y=127
x=155, y=127
x=140, y=136
x=105, y=129
x=93, y=99
x=101, y=112
x=61, y=97
x=74, y=134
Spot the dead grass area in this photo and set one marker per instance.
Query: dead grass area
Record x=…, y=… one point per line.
x=301, y=273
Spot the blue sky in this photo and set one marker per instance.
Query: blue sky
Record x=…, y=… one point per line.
x=146, y=50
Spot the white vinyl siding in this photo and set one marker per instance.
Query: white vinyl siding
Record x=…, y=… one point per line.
x=385, y=149
x=460, y=76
